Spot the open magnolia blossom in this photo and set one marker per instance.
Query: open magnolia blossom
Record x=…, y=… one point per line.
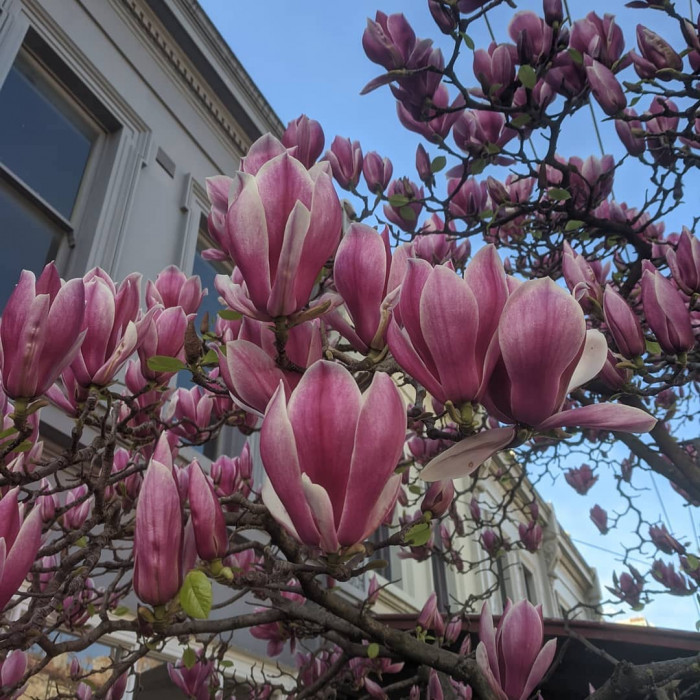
x=330, y=453
x=540, y=352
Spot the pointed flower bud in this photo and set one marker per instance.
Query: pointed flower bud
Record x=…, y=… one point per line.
x=599, y=518
x=207, y=517
x=631, y=133
x=430, y=617
x=684, y=262
x=623, y=324
x=605, y=87
x=20, y=539
x=438, y=498
x=158, y=535
x=666, y=313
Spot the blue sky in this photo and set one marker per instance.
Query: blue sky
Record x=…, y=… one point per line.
x=307, y=57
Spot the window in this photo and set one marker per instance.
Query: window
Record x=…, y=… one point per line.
x=530, y=589
x=48, y=147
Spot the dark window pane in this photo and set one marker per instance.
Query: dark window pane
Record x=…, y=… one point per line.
x=31, y=240
x=40, y=140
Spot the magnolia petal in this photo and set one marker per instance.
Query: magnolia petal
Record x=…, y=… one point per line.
x=379, y=439
x=322, y=513
x=249, y=245
x=541, y=334
x=449, y=319
x=278, y=449
x=410, y=361
x=595, y=352
x=520, y=642
x=383, y=505
x=539, y=668
x=487, y=635
x=609, y=416
x=283, y=301
x=469, y=454
x=323, y=412
x=359, y=273
x=277, y=510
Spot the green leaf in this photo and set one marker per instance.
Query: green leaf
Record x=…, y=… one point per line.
x=121, y=611
x=211, y=358
x=9, y=431
x=162, y=363
x=573, y=224
x=492, y=148
x=439, y=162
x=468, y=41
x=418, y=535
x=189, y=658
x=577, y=56
x=24, y=446
x=414, y=488
x=373, y=650
x=407, y=213
x=558, y=194
x=527, y=76
x=398, y=200
x=520, y=120
x=196, y=595
x=229, y=315
x=226, y=663
x=82, y=542
x=693, y=562
x=635, y=100
x=653, y=348
x=477, y=166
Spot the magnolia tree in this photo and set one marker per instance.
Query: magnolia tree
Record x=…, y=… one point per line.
x=379, y=349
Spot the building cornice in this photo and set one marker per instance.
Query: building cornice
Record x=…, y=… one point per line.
x=177, y=44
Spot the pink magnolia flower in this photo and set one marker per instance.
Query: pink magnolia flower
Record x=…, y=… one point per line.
x=581, y=479
x=540, y=352
x=345, y=157
x=363, y=273
x=438, y=498
x=495, y=70
x=20, y=539
x=164, y=335
x=511, y=655
x=173, y=287
x=444, y=329
x=41, y=331
x=113, y=332
x=330, y=455
x=430, y=618
x=306, y=137
x=189, y=412
x=282, y=223
x=250, y=369
x=404, y=214
x=194, y=681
